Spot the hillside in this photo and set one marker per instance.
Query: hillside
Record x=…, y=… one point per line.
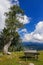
x=16, y=58
x=37, y=46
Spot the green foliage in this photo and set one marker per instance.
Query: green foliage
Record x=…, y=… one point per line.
x=16, y=43
x=11, y=25
x=11, y=21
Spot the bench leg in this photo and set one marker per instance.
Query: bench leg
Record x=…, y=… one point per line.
x=36, y=56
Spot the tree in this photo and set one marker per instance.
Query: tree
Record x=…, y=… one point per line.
x=16, y=43
x=11, y=25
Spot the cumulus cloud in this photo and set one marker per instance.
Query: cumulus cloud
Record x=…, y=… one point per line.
x=23, y=18
x=23, y=30
x=4, y=5
x=39, y=27
x=36, y=35
x=14, y=2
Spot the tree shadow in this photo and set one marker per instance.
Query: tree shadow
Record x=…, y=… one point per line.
x=24, y=58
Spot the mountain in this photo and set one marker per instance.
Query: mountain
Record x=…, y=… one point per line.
x=31, y=45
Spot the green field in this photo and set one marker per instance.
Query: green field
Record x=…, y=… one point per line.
x=16, y=58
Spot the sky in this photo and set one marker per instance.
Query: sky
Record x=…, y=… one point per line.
x=33, y=18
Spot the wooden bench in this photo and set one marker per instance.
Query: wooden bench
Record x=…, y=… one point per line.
x=31, y=53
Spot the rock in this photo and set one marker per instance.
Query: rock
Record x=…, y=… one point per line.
x=8, y=53
x=31, y=63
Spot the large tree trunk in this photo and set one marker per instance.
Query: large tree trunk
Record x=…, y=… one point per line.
x=6, y=47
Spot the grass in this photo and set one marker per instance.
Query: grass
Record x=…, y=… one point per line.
x=16, y=58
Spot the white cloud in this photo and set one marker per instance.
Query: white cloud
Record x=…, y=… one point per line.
x=23, y=30
x=14, y=2
x=39, y=27
x=27, y=37
x=4, y=5
x=36, y=35
x=23, y=18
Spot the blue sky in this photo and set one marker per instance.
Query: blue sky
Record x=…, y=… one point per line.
x=33, y=9
x=33, y=18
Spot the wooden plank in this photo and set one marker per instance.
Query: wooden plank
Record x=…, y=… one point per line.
x=31, y=53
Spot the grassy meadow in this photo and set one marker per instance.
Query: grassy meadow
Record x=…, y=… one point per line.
x=16, y=58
